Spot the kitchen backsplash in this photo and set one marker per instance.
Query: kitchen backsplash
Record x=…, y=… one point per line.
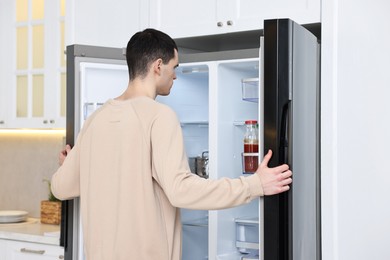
x=26, y=159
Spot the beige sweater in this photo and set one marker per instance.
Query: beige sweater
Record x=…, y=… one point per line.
x=130, y=169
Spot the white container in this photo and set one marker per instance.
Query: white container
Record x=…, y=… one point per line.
x=247, y=235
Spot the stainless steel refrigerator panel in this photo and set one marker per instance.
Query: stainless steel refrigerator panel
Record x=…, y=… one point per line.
x=291, y=71
x=305, y=142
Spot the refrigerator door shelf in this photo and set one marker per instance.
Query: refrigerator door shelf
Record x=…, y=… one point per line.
x=250, y=257
x=251, y=158
x=250, y=89
x=247, y=235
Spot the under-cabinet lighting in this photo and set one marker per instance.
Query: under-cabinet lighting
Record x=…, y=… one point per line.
x=33, y=131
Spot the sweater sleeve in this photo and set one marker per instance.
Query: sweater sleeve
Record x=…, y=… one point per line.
x=187, y=190
x=65, y=183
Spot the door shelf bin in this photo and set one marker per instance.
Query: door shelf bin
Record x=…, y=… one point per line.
x=247, y=235
x=249, y=161
x=250, y=89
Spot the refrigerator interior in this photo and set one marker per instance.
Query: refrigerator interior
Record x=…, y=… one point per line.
x=100, y=80
x=237, y=228
x=208, y=99
x=189, y=98
x=214, y=89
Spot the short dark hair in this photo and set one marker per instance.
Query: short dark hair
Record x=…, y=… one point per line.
x=146, y=47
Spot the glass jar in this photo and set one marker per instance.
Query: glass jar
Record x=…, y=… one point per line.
x=251, y=147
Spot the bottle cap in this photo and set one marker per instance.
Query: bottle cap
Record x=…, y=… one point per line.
x=250, y=122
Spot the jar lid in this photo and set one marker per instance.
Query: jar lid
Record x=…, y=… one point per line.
x=250, y=122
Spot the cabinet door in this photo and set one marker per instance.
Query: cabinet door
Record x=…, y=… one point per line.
x=6, y=72
x=100, y=22
x=184, y=18
x=3, y=109
x=2, y=249
x=249, y=14
x=31, y=64
x=207, y=17
x=15, y=250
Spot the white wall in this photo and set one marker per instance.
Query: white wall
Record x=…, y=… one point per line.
x=26, y=159
x=355, y=129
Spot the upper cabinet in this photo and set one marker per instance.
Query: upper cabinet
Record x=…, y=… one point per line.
x=33, y=64
x=5, y=68
x=207, y=17
x=105, y=23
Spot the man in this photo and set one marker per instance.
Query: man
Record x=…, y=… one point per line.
x=130, y=169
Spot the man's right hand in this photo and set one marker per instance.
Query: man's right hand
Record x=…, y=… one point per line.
x=274, y=180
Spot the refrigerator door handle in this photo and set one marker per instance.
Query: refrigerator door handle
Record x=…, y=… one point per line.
x=284, y=134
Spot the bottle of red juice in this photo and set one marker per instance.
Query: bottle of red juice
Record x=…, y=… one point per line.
x=251, y=147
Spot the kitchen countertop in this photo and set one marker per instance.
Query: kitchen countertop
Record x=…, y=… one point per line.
x=31, y=230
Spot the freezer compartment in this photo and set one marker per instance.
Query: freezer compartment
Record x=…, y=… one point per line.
x=247, y=235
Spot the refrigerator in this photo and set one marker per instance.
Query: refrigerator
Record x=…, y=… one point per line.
x=270, y=75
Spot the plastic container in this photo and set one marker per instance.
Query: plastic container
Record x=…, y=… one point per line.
x=250, y=89
x=247, y=236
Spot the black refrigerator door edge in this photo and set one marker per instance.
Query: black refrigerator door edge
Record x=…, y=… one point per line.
x=67, y=228
x=277, y=216
x=66, y=236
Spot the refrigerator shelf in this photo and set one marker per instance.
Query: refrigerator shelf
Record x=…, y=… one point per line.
x=201, y=222
x=247, y=245
x=195, y=123
x=247, y=220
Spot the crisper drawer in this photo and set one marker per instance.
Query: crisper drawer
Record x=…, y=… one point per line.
x=247, y=237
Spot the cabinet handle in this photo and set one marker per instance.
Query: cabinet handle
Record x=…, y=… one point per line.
x=220, y=24
x=45, y=121
x=61, y=257
x=1, y=122
x=26, y=250
x=52, y=121
x=230, y=22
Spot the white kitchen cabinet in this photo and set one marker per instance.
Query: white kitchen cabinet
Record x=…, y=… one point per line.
x=3, y=108
x=100, y=22
x=16, y=250
x=355, y=128
x=203, y=17
x=6, y=26
x=2, y=249
x=32, y=66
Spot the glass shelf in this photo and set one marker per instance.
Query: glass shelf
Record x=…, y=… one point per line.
x=201, y=222
x=195, y=123
x=247, y=220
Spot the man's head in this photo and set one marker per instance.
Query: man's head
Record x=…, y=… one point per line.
x=145, y=48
